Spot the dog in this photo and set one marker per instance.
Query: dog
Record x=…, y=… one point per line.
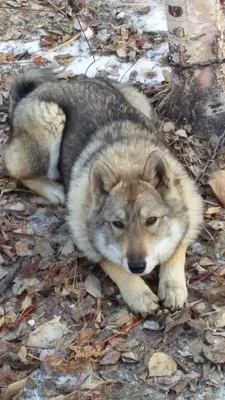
x=95, y=146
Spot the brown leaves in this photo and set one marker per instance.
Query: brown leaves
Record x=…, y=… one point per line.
x=217, y=184
x=215, y=350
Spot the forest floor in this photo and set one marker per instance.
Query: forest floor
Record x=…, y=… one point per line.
x=57, y=313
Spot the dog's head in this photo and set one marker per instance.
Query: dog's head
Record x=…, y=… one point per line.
x=136, y=219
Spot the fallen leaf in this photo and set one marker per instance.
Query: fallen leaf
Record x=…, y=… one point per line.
x=180, y=386
x=82, y=309
x=216, y=182
x=216, y=225
x=217, y=320
x=182, y=133
x=26, y=303
x=206, y=262
x=122, y=52
x=215, y=350
x=16, y=207
x=110, y=358
x=84, y=337
x=64, y=59
x=160, y=364
x=178, y=319
x=93, y=286
x=212, y=211
x=144, y=10
x=47, y=334
x=13, y=389
x=22, y=249
x=39, y=60
x=130, y=357
x=94, y=381
x=4, y=321
x=118, y=319
x=43, y=248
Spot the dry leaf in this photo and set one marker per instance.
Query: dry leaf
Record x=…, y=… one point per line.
x=47, y=334
x=13, y=389
x=217, y=320
x=22, y=249
x=4, y=321
x=161, y=364
x=110, y=358
x=118, y=319
x=180, y=386
x=122, y=52
x=215, y=350
x=212, y=211
x=206, y=262
x=217, y=184
x=130, y=357
x=93, y=286
x=178, y=319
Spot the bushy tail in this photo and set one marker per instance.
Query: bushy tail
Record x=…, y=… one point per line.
x=26, y=82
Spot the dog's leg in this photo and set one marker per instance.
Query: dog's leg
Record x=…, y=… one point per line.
x=50, y=190
x=133, y=289
x=172, y=284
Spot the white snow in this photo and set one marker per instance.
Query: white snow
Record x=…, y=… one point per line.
x=148, y=68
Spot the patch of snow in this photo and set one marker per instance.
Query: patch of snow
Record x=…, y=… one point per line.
x=147, y=69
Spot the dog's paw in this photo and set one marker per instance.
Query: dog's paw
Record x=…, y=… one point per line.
x=173, y=296
x=140, y=298
x=56, y=194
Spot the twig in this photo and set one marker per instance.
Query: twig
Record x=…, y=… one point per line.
x=136, y=5
x=123, y=332
x=220, y=144
x=60, y=46
x=203, y=278
x=83, y=32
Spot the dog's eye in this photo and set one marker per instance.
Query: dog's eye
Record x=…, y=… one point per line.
x=151, y=221
x=118, y=224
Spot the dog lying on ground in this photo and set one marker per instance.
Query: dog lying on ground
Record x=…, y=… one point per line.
x=130, y=204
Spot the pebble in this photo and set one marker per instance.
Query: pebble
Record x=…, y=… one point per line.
x=31, y=323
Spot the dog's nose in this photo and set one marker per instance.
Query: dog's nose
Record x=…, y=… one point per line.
x=137, y=267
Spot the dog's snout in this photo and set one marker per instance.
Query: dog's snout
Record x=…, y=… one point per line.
x=137, y=266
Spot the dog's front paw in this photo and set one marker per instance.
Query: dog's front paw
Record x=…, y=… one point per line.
x=173, y=296
x=140, y=298
x=56, y=194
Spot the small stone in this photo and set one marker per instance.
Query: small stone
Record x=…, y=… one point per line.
x=151, y=325
x=198, y=249
x=121, y=15
x=168, y=127
x=31, y=323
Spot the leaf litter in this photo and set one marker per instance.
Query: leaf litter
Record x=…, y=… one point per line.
x=58, y=315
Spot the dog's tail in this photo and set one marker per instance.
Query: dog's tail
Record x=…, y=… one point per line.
x=26, y=82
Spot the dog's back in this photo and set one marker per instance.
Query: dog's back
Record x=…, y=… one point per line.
x=49, y=116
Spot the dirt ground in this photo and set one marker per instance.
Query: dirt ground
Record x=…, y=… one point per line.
x=65, y=333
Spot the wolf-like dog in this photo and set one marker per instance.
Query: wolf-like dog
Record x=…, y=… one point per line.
x=130, y=204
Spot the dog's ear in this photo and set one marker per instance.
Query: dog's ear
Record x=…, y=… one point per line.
x=156, y=170
x=101, y=178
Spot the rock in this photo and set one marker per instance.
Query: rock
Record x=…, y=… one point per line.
x=151, y=325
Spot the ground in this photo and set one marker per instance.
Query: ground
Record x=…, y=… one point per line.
x=57, y=313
